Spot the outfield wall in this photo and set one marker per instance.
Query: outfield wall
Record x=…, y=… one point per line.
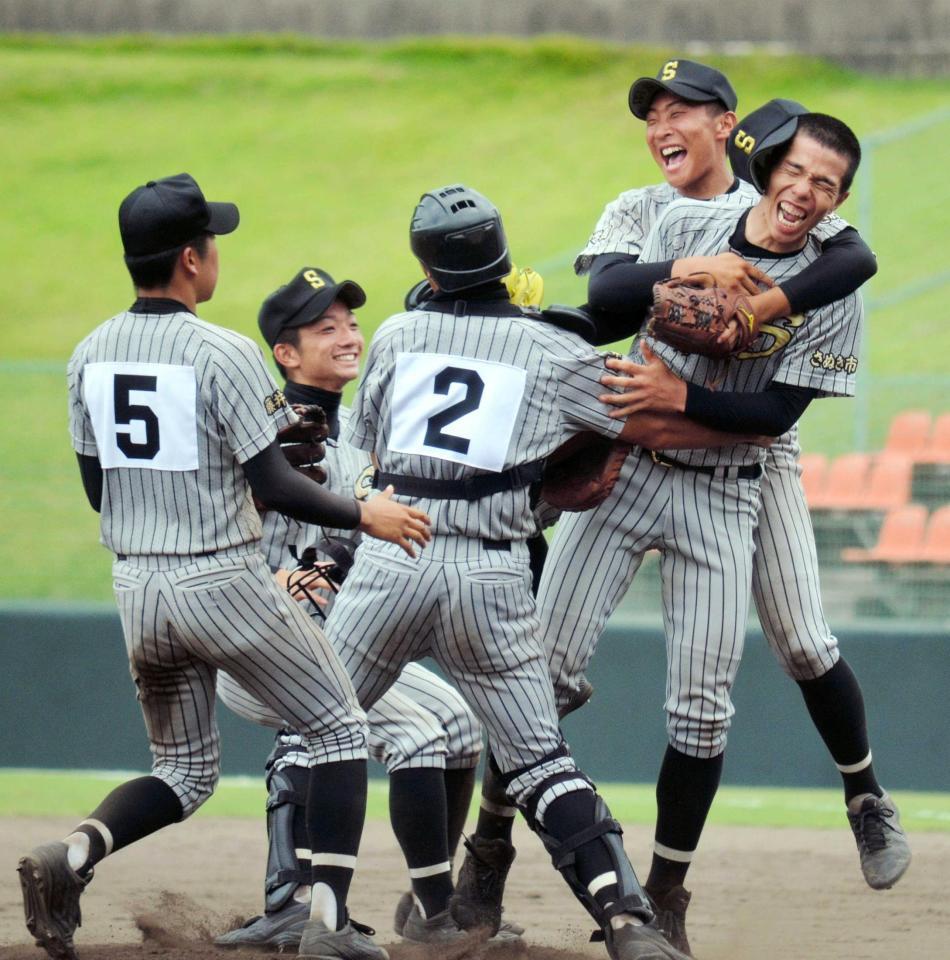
x=912, y=37
x=66, y=701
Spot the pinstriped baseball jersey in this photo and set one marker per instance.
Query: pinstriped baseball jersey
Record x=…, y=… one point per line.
x=626, y=221
x=172, y=406
x=446, y=397
x=818, y=350
x=420, y=721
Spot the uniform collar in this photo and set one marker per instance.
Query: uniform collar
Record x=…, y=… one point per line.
x=159, y=305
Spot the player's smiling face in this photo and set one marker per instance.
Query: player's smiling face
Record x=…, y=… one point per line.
x=804, y=187
x=329, y=350
x=687, y=141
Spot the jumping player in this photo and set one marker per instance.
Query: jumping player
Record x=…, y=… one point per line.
x=174, y=422
x=688, y=108
x=785, y=369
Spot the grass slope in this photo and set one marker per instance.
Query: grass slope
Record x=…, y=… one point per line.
x=326, y=147
x=75, y=793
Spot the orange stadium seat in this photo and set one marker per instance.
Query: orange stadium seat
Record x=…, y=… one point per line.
x=845, y=483
x=888, y=483
x=814, y=475
x=938, y=450
x=909, y=433
x=936, y=545
x=900, y=540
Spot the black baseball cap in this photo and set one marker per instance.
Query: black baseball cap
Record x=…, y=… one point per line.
x=757, y=136
x=305, y=299
x=685, y=79
x=166, y=213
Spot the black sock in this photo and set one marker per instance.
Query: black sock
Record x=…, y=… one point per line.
x=459, y=787
x=492, y=824
x=836, y=707
x=131, y=811
x=424, y=840
x=336, y=809
x=569, y=815
x=685, y=790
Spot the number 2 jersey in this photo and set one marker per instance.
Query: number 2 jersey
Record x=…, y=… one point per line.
x=450, y=397
x=172, y=406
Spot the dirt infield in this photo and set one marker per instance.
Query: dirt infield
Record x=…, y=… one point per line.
x=757, y=895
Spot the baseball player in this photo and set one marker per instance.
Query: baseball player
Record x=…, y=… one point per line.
x=704, y=643
x=688, y=109
x=460, y=403
x=175, y=422
x=421, y=728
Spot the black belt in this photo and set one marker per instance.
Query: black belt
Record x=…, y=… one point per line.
x=747, y=471
x=194, y=556
x=472, y=488
x=496, y=544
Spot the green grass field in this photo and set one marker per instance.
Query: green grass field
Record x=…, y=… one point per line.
x=65, y=794
x=326, y=147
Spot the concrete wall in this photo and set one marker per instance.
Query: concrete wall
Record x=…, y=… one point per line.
x=882, y=35
x=66, y=701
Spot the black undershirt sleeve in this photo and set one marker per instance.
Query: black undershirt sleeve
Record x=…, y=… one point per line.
x=91, y=472
x=845, y=263
x=620, y=291
x=769, y=413
x=276, y=484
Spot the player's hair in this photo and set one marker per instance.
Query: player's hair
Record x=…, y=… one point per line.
x=831, y=133
x=289, y=335
x=156, y=269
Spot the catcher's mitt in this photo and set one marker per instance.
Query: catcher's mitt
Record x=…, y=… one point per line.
x=580, y=474
x=302, y=442
x=691, y=313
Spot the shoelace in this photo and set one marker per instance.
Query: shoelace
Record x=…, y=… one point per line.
x=871, y=826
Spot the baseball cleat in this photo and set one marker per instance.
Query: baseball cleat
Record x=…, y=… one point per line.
x=51, y=891
x=639, y=942
x=476, y=902
x=882, y=842
x=508, y=932
x=278, y=931
x=351, y=942
x=670, y=920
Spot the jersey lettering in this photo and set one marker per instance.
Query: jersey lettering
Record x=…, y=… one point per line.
x=474, y=427
x=126, y=412
x=780, y=333
x=669, y=69
x=143, y=414
x=474, y=388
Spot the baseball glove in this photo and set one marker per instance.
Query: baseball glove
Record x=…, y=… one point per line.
x=302, y=442
x=691, y=313
x=580, y=474
x=313, y=572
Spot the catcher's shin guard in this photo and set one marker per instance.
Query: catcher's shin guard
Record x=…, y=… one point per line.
x=285, y=872
x=631, y=897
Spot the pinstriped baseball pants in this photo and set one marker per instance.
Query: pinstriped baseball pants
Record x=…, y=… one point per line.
x=419, y=722
x=785, y=579
x=470, y=608
x=703, y=527
x=183, y=618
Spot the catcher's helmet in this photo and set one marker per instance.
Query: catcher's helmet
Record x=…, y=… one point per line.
x=458, y=235
x=757, y=137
